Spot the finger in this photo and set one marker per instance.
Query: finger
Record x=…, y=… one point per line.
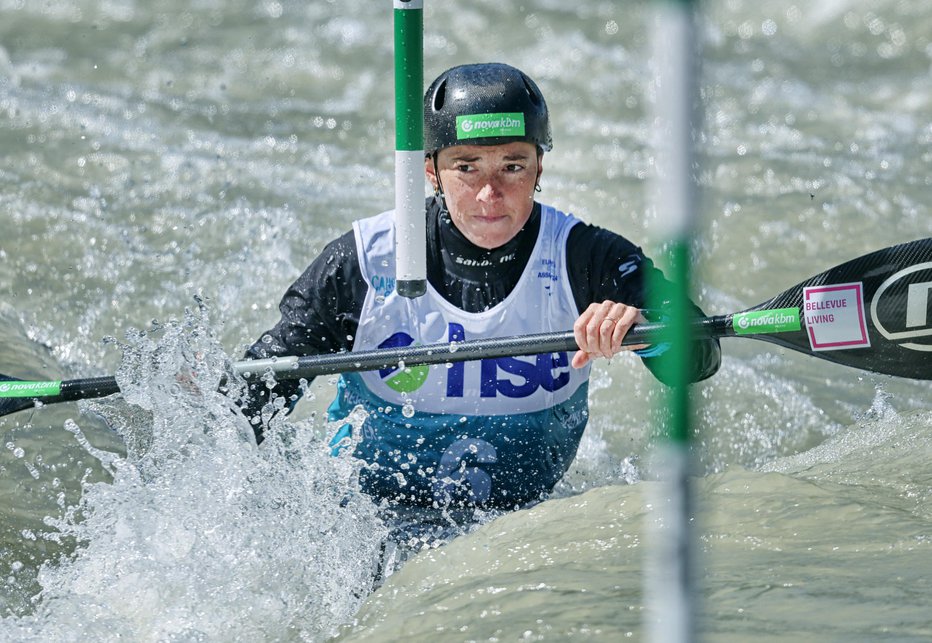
x=582, y=328
x=630, y=317
x=580, y=359
x=619, y=330
x=598, y=327
x=607, y=330
x=580, y=333
x=613, y=327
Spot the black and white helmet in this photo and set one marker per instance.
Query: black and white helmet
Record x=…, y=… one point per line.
x=484, y=104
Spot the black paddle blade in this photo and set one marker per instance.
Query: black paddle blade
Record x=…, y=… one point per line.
x=871, y=313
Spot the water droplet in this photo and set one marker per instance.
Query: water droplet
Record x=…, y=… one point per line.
x=407, y=410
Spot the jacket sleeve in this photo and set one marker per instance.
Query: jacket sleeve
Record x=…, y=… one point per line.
x=605, y=266
x=319, y=314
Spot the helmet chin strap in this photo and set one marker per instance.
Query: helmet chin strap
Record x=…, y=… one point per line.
x=438, y=191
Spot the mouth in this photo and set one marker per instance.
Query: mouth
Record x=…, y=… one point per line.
x=489, y=218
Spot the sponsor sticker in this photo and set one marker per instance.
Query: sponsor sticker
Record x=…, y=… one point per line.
x=485, y=125
x=19, y=388
x=778, y=320
x=835, y=316
x=400, y=378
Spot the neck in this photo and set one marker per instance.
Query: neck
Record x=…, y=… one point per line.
x=460, y=253
x=473, y=278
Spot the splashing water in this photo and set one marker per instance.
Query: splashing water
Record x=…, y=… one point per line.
x=201, y=535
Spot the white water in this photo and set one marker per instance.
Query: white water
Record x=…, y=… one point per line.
x=197, y=524
x=155, y=153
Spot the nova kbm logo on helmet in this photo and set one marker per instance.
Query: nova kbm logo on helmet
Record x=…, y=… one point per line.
x=914, y=286
x=406, y=379
x=483, y=125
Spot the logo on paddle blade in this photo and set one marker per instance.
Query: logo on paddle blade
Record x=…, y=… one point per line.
x=835, y=316
x=900, y=307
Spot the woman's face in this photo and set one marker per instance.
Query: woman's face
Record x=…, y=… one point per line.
x=489, y=189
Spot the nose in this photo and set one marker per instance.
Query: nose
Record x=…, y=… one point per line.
x=487, y=193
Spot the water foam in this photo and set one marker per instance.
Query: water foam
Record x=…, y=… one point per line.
x=201, y=535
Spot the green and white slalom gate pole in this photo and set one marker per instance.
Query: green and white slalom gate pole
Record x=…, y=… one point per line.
x=669, y=579
x=410, y=224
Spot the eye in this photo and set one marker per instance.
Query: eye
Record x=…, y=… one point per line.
x=463, y=167
x=514, y=167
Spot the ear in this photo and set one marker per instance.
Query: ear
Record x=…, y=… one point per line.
x=429, y=171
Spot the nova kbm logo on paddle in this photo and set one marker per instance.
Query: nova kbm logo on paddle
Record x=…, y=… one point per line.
x=405, y=379
x=778, y=320
x=20, y=388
